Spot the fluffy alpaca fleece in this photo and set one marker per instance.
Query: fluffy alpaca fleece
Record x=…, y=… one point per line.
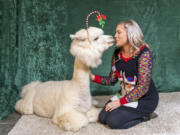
x=68, y=102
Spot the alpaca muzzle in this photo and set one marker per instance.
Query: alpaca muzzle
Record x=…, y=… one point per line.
x=111, y=41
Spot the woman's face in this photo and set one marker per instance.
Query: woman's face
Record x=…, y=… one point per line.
x=121, y=36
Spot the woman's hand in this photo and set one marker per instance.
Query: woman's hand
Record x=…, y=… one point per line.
x=112, y=105
x=92, y=76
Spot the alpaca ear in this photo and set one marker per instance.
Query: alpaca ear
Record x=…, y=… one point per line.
x=72, y=36
x=77, y=37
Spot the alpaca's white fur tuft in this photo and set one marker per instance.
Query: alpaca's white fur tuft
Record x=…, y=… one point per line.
x=69, y=102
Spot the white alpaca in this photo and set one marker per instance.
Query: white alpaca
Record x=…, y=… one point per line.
x=68, y=102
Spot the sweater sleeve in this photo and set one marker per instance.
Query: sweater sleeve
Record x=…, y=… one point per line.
x=144, y=79
x=109, y=80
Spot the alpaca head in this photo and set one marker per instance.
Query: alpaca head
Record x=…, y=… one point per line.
x=89, y=47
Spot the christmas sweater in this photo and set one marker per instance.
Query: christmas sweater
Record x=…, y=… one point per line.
x=135, y=76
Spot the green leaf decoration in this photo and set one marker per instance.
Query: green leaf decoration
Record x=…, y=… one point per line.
x=102, y=23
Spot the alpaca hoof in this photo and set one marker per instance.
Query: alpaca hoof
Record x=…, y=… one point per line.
x=92, y=114
x=69, y=123
x=68, y=126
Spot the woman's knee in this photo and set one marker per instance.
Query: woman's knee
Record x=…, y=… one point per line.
x=130, y=124
x=102, y=116
x=121, y=124
x=112, y=122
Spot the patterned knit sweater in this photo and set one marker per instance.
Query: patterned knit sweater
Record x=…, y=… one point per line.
x=134, y=73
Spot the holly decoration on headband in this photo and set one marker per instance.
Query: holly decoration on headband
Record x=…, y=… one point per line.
x=101, y=19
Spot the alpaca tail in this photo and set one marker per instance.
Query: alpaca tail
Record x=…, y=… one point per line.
x=29, y=87
x=25, y=104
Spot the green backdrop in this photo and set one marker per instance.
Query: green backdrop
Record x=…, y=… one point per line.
x=34, y=41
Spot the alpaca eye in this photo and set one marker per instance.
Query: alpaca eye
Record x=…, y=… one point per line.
x=96, y=38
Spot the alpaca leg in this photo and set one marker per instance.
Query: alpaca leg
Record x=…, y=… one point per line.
x=92, y=114
x=71, y=121
x=25, y=105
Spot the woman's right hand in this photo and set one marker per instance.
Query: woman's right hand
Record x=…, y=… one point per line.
x=92, y=76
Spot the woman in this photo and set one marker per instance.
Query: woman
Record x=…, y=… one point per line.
x=132, y=65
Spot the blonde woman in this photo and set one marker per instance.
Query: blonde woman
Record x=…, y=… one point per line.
x=132, y=66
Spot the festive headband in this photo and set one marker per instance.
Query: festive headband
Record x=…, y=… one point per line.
x=100, y=18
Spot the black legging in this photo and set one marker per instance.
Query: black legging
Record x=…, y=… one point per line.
x=120, y=118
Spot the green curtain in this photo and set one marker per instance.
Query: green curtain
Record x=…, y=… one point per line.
x=160, y=23
x=34, y=41
x=33, y=44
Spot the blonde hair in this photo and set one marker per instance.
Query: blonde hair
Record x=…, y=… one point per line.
x=135, y=35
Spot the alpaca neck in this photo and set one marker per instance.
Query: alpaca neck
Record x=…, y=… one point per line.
x=81, y=72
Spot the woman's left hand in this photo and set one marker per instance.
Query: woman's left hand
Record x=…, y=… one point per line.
x=112, y=105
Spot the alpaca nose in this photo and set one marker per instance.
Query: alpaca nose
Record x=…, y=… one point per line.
x=111, y=40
